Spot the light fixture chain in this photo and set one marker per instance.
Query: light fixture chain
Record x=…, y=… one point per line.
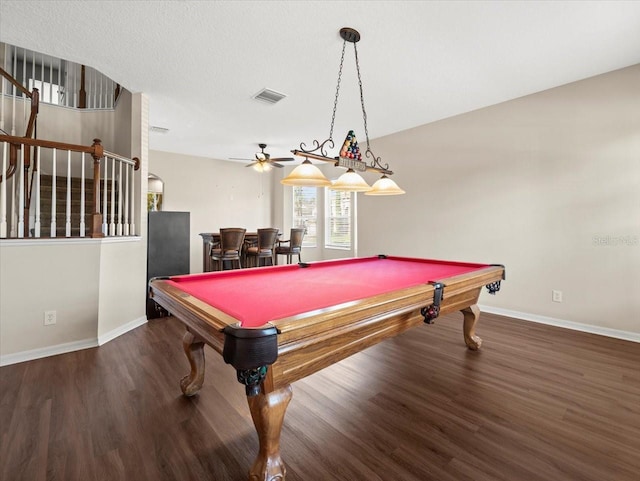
x=335, y=102
x=364, y=112
x=376, y=161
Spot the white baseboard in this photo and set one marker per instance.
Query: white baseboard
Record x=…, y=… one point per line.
x=576, y=326
x=70, y=346
x=47, y=351
x=109, y=336
x=119, y=331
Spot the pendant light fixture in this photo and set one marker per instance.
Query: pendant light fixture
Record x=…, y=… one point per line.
x=306, y=174
x=349, y=157
x=384, y=186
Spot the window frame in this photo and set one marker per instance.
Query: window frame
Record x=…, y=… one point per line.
x=308, y=221
x=329, y=219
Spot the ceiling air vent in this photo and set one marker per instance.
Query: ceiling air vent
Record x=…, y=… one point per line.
x=269, y=96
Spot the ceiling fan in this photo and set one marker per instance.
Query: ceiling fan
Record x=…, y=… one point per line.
x=263, y=161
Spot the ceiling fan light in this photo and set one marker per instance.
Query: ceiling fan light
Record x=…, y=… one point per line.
x=262, y=167
x=306, y=174
x=385, y=186
x=350, y=181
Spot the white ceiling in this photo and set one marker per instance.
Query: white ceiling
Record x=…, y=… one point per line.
x=200, y=62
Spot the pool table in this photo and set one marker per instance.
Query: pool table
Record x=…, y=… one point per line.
x=278, y=324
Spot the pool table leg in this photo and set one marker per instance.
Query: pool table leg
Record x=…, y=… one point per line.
x=471, y=315
x=267, y=411
x=194, y=349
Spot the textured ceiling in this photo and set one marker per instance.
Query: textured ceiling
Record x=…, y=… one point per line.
x=201, y=62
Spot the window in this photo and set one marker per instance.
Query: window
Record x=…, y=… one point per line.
x=339, y=215
x=305, y=213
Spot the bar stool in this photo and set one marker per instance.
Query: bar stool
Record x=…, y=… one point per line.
x=291, y=246
x=258, y=254
x=231, y=240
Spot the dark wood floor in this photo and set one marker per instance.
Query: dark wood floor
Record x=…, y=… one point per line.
x=537, y=403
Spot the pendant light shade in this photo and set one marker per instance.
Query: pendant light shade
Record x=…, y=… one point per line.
x=350, y=181
x=306, y=174
x=385, y=186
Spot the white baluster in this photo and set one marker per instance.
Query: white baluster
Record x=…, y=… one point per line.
x=21, y=194
x=94, y=92
x=42, y=78
x=105, y=207
x=50, y=81
x=82, y=213
x=119, y=224
x=112, y=226
x=67, y=226
x=25, y=84
x=132, y=231
x=13, y=112
x=110, y=90
x=98, y=190
x=53, y=195
x=126, y=199
x=59, y=81
x=33, y=69
x=14, y=217
x=3, y=192
x=36, y=224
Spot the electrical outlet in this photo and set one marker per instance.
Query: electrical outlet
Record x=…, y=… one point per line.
x=556, y=296
x=49, y=318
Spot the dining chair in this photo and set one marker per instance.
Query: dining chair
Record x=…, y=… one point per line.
x=230, y=248
x=264, y=249
x=292, y=246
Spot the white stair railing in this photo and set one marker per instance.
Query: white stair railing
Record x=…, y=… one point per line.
x=59, y=81
x=116, y=174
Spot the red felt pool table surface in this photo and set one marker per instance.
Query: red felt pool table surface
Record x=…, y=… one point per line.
x=260, y=295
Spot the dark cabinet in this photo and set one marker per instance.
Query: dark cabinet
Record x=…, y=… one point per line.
x=167, y=250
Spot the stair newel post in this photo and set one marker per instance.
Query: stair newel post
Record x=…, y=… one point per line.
x=96, y=217
x=82, y=97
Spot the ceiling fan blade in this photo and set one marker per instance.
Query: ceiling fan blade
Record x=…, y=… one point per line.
x=275, y=164
x=283, y=159
x=238, y=158
x=253, y=163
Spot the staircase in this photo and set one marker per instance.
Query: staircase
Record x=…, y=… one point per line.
x=61, y=205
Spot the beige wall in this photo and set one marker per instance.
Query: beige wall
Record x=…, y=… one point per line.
x=123, y=265
x=216, y=193
x=548, y=184
x=54, y=122
x=48, y=277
